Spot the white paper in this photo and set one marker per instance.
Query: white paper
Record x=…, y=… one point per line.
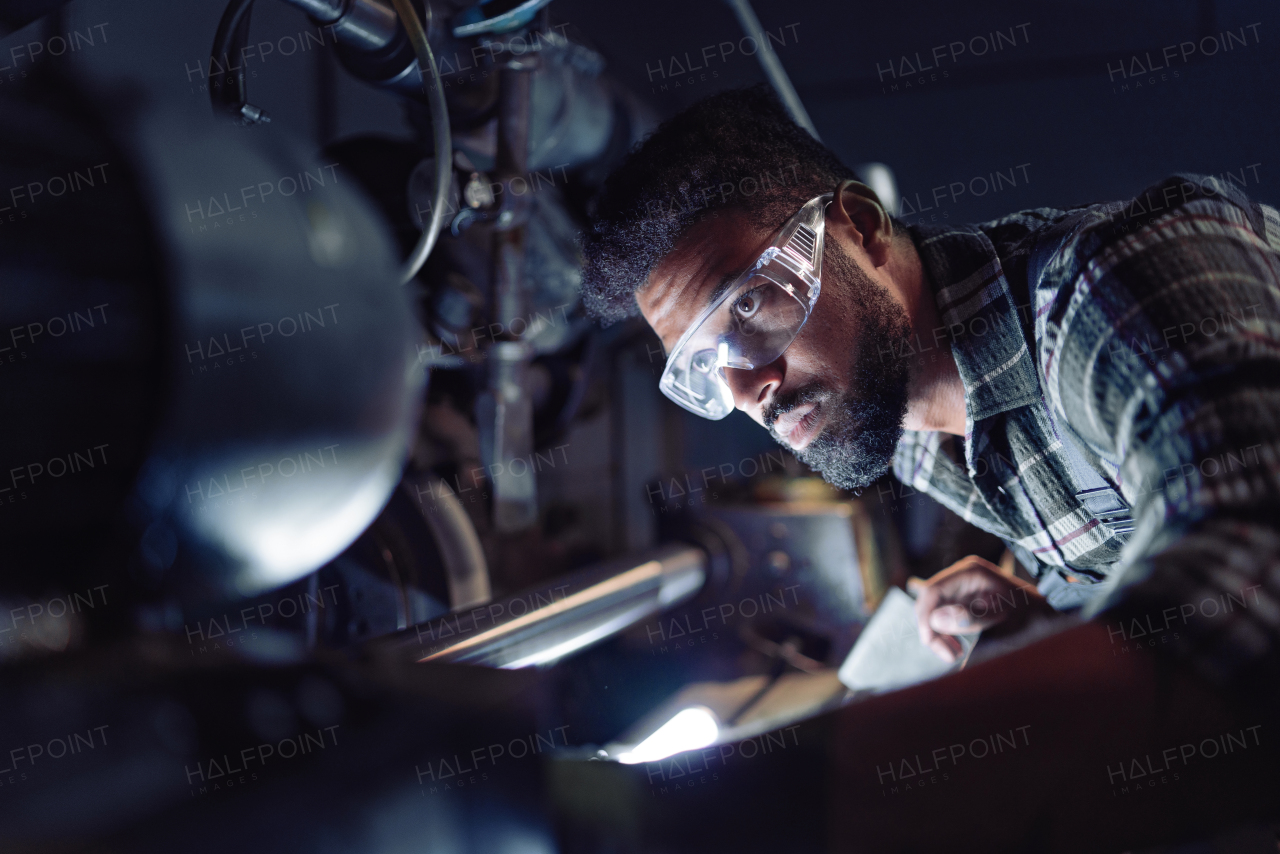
x=889, y=653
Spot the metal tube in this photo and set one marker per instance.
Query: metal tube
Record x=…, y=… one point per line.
x=465, y=569
x=515, y=499
x=363, y=24
x=567, y=614
x=323, y=11
x=368, y=25
x=440, y=133
x=772, y=65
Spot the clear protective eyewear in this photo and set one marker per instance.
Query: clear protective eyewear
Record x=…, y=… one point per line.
x=754, y=320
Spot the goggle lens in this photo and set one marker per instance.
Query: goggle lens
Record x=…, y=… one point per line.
x=754, y=322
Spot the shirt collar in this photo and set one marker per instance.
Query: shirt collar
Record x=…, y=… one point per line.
x=981, y=320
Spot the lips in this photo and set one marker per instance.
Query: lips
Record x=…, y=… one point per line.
x=800, y=426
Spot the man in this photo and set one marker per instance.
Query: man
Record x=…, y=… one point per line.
x=1097, y=385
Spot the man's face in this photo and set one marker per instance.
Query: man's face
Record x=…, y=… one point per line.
x=837, y=396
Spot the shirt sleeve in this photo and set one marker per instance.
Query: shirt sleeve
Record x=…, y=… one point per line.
x=1162, y=351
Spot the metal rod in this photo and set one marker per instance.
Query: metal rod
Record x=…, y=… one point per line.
x=515, y=499
x=564, y=615
x=465, y=569
x=772, y=65
x=323, y=11
x=313, y=616
x=368, y=25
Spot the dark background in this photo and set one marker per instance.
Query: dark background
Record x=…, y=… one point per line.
x=1047, y=101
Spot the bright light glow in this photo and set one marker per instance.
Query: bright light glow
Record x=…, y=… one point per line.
x=690, y=729
x=306, y=527
x=722, y=354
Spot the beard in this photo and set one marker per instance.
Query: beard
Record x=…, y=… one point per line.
x=865, y=424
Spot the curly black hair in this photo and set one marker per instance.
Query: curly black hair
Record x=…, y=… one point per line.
x=737, y=149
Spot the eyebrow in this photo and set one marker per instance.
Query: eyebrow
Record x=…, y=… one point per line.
x=721, y=287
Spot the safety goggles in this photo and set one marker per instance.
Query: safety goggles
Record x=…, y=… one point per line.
x=754, y=320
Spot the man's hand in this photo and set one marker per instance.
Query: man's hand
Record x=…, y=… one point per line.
x=970, y=596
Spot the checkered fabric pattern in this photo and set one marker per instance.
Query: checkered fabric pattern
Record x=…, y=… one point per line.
x=1146, y=332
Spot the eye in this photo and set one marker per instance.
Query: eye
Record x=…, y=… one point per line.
x=748, y=303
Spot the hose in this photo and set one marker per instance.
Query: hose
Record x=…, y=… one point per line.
x=232, y=35
x=440, y=133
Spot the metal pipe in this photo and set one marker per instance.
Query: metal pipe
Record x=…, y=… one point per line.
x=561, y=617
x=772, y=65
x=368, y=25
x=322, y=11
x=507, y=401
x=465, y=569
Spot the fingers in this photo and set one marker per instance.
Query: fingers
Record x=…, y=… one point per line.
x=946, y=647
x=943, y=645
x=951, y=620
x=981, y=567
x=969, y=596
x=974, y=577
x=963, y=619
x=927, y=600
x=956, y=601
x=944, y=604
x=970, y=563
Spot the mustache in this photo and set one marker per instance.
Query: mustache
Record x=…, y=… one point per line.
x=784, y=402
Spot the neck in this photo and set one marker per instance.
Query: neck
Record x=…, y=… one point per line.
x=936, y=394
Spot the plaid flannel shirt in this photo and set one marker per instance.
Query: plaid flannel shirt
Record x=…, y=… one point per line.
x=1146, y=334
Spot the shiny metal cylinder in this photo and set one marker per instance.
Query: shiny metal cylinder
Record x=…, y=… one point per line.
x=324, y=11
x=367, y=25
x=564, y=615
x=363, y=24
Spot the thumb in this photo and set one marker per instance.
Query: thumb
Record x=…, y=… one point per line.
x=957, y=620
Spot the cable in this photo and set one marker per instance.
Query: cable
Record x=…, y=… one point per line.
x=440, y=132
x=232, y=35
x=772, y=66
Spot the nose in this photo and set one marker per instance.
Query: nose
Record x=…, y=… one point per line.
x=753, y=389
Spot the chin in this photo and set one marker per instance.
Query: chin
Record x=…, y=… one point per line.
x=857, y=445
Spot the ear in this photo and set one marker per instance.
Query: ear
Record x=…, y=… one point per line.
x=856, y=207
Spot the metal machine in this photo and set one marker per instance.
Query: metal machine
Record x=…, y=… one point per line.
x=300, y=464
